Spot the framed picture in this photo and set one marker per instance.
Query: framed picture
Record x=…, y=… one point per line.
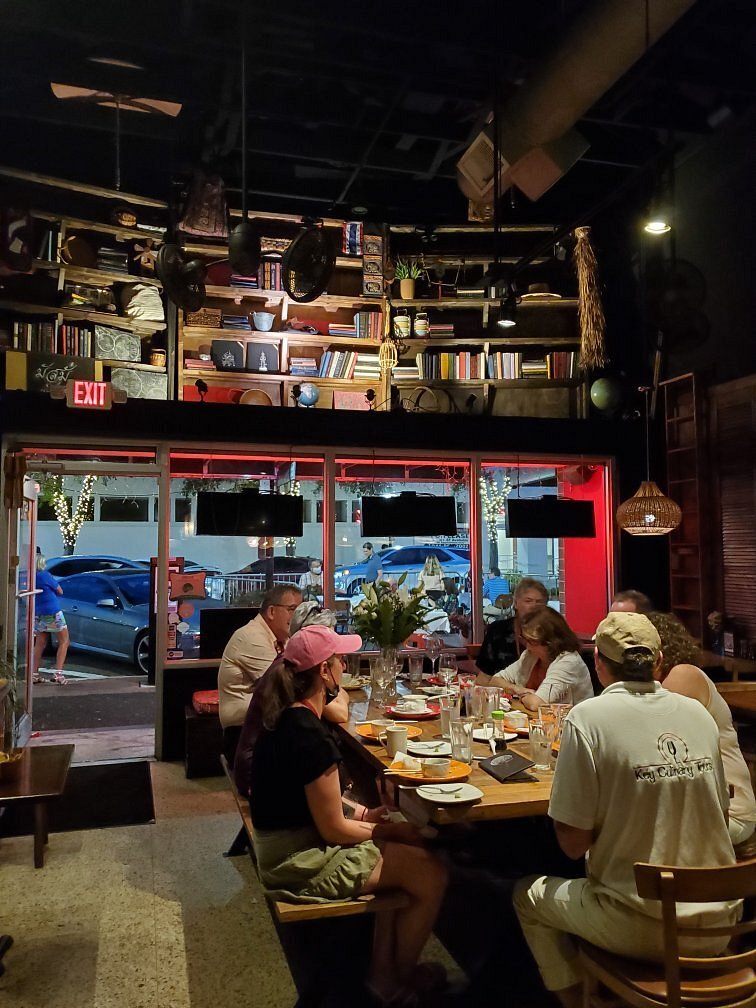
x=228, y=355
x=262, y=358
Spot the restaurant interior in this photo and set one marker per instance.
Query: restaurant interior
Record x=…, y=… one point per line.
x=214, y=379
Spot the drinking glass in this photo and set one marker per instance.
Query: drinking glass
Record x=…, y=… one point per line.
x=559, y=693
x=382, y=677
x=540, y=746
x=447, y=667
x=416, y=663
x=466, y=684
x=461, y=734
x=433, y=650
x=485, y=700
x=449, y=712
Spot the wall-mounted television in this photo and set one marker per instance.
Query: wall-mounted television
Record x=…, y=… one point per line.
x=409, y=514
x=217, y=626
x=550, y=518
x=249, y=513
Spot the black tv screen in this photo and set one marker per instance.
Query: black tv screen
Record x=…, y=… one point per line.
x=217, y=626
x=409, y=514
x=550, y=518
x=249, y=514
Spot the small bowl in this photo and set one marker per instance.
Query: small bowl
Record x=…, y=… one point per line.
x=436, y=766
x=263, y=321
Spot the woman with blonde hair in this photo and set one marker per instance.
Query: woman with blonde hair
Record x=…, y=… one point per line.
x=550, y=669
x=307, y=850
x=680, y=673
x=48, y=619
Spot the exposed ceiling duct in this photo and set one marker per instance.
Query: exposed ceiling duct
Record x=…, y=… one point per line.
x=537, y=143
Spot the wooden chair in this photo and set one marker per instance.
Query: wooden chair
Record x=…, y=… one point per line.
x=727, y=980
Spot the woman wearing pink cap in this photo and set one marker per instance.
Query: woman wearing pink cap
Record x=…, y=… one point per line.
x=307, y=851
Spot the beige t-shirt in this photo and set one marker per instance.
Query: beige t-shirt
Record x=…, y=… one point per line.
x=742, y=803
x=248, y=655
x=640, y=766
x=567, y=669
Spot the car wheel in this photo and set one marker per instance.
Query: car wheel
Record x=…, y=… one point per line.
x=142, y=653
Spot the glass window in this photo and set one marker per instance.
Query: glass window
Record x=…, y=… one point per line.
x=46, y=511
x=341, y=511
x=182, y=509
x=88, y=588
x=124, y=509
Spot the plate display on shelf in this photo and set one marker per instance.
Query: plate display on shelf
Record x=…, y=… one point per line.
x=449, y=794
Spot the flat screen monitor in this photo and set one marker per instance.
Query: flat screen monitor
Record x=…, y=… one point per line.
x=249, y=513
x=550, y=518
x=409, y=514
x=218, y=625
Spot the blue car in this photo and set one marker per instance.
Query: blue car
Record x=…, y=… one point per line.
x=454, y=560
x=108, y=613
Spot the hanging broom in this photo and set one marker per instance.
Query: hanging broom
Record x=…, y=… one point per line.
x=590, y=310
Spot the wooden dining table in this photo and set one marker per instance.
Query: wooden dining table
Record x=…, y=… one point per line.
x=512, y=800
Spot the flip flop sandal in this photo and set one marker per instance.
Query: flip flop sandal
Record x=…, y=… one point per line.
x=59, y=679
x=37, y=678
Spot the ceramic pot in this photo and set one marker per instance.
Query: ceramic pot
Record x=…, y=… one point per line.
x=407, y=289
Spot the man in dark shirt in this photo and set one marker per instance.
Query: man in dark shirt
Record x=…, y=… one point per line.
x=372, y=563
x=501, y=643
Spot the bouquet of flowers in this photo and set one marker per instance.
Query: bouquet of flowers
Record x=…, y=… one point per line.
x=389, y=613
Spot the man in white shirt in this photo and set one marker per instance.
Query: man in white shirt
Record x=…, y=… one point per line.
x=247, y=656
x=639, y=778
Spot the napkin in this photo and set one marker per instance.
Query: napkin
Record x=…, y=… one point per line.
x=406, y=762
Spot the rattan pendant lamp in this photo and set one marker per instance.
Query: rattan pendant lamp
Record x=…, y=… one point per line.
x=648, y=512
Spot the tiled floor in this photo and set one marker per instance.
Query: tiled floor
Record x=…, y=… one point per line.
x=142, y=916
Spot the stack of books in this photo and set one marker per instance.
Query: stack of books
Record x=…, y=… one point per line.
x=459, y=365
x=245, y=282
x=562, y=364
x=367, y=367
x=195, y=364
x=441, y=330
x=504, y=364
x=407, y=370
x=341, y=329
x=303, y=367
x=238, y=322
x=537, y=368
x=369, y=325
x=338, y=364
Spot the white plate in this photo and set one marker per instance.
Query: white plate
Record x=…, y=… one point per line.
x=484, y=734
x=429, y=748
x=449, y=794
x=433, y=690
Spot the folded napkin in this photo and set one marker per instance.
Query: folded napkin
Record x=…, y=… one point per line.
x=405, y=762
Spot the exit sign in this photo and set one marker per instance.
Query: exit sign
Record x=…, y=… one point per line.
x=83, y=393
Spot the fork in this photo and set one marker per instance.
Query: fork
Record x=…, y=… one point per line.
x=443, y=790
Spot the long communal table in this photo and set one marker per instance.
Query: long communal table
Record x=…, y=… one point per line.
x=500, y=801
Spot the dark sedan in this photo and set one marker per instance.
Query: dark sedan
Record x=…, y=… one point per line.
x=108, y=614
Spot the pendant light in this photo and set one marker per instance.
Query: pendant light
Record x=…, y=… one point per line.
x=649, y=511
x=244, y=240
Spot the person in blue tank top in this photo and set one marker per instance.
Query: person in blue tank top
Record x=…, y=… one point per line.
x=48, y=619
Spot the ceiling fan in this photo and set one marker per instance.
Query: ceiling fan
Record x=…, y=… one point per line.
x=112, y=99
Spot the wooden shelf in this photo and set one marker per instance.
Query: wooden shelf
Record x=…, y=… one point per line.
x=304, y=339
x=132, y=365
x=232, y=376
x=494, y=382
x=77, y=224
x=497, y=341
x=442, y=303
x=221, y=252
x=298, y=339
x=212, y=373
x=106, y=318
x=97, y=276
x=212, y=332
x=232, y=293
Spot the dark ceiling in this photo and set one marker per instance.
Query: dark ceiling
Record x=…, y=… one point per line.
x=348, y=104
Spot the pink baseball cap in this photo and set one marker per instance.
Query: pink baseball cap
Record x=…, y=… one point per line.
x=312, y=645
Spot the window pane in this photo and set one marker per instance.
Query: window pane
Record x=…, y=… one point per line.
x=125, y=509
x=182, y=509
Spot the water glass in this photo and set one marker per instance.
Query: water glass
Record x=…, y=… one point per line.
x=416, y=663
x=466, y=684
x=559, y=693
x=353, y=664
x=540, y=746
x=382, y=677
x=484, y=700
x=447, y=667
x=461, y=734
x=449, y=712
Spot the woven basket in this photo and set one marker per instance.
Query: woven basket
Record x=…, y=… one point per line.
x=210, y=318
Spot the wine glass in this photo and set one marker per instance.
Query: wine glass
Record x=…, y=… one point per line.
x=433, y=650
x=447, y=667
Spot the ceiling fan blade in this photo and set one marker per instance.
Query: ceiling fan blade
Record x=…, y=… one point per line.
x=107, y=99
x=65, y=91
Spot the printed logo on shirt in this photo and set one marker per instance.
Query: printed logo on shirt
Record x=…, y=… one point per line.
x=677, y=762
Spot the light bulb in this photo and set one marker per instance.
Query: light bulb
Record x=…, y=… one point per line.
x=657, y=226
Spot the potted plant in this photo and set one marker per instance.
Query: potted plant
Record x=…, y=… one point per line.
x=389, y=614
x=12, y=714
x=406, y=271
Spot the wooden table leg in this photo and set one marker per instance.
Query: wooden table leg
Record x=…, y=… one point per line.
x=40, y=833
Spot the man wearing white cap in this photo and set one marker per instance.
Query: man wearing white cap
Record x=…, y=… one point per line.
x=639, y=778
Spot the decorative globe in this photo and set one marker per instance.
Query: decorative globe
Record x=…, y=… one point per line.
x=606, y=394
x=309, y=394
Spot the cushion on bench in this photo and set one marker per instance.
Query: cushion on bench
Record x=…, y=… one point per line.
x=205, y=701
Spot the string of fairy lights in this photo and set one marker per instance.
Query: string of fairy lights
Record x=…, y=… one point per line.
x=70, y=524
x=493, y=500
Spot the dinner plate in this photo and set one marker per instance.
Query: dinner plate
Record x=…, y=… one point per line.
x=433, y=690
x=429, y=748
x=484, y=734
x=457, y=772
x=521, y=732
x=431, y=711
x=449, y=794
x=357, y=683
x=370, y=732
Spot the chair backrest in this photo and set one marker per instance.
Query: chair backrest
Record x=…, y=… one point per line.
x=728, y=973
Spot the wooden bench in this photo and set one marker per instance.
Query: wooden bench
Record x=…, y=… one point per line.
x=320, y=926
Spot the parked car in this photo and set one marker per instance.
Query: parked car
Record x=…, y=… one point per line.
x=65, y=566
x=410, y=559
x=107, y=613
x=294, y=567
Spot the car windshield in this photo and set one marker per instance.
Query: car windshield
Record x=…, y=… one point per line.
x=135, y=588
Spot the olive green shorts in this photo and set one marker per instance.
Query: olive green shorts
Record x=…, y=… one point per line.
x=297, y=866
